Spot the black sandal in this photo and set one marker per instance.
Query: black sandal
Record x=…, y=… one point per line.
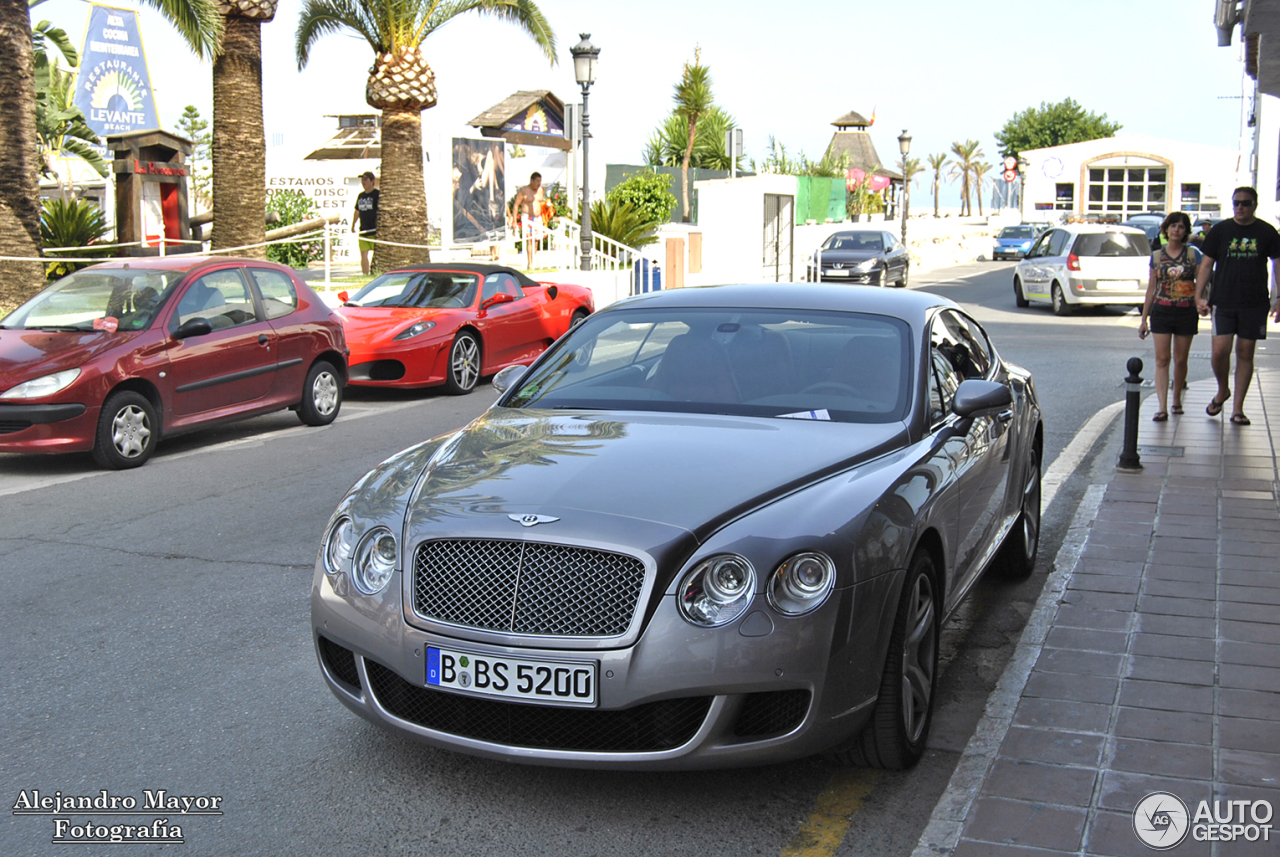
x=1241, y=420
x=1160, y=417
x=1176, y=410
x=1215, y=407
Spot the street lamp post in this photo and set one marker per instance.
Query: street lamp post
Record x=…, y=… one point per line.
x=904, y=146
x=584, y=71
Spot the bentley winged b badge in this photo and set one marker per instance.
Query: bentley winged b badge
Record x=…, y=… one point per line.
x=532, y=520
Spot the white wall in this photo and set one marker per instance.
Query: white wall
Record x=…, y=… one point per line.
x=1267, y=148
x=731, y=219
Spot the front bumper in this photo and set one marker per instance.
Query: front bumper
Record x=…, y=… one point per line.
x=862, y=278
x=680, y=697
x=68, y=427
x=1008, y=253
x=399, y=365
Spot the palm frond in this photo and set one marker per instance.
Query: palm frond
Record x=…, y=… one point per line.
x=322, y=17
x=524, y=14
x=196, y=21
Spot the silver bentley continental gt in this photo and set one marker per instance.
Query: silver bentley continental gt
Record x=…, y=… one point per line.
x=707, y=527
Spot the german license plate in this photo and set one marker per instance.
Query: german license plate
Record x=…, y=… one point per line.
x=834, y=273
x=1118, y=285
x=561, y=683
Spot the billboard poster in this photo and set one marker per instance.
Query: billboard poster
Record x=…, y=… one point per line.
x=113, y=87
x=479, y=198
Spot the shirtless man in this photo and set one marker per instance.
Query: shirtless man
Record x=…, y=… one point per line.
x=523, y=212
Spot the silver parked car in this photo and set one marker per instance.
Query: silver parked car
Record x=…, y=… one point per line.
x=708, y=527
x=1084, y=263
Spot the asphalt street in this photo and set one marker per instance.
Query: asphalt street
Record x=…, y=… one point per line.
x=156, y=636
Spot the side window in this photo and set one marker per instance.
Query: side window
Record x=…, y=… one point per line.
x=1038, y=248
x=501, y=284
x=890, y=243
x=1057, y=242
x=279, y=297
x=942, y=391
x=953, y=339
x=222, y=297
x=982, y=353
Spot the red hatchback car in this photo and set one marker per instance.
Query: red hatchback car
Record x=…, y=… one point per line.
x=115, y=356
x=450, y=323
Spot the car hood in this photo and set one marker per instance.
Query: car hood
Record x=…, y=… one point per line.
x=830, y=256
x=1013, y=242
x=368, y=324
x=27, y=354
x=689, y=471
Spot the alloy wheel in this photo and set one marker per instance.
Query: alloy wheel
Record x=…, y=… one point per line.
x=466, y=362
x=918, y=658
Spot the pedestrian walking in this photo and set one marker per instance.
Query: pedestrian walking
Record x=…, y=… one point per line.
x=1236, y=253
x=365, y=220
x=1169, y=310
x=526, y=216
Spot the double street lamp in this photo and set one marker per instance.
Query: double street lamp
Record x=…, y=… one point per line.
x=904, y=146
x=584, y=71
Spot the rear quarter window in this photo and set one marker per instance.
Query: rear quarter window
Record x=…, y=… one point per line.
x=1112, y=244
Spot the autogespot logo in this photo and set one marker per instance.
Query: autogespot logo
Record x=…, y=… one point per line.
x=1160, y=820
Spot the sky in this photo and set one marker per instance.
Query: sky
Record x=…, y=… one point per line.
x=944, y=71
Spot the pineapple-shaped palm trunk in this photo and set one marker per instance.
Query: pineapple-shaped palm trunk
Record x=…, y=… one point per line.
x=19, y=191
x=401, y=85
x=239, y=150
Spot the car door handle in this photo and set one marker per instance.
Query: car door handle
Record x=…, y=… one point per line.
x=1004, y=416
x=263, y=339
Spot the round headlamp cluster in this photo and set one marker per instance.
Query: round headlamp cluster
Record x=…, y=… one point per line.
x=338, y=545
x=373, y=560
x=802, y=583
x=717, y=590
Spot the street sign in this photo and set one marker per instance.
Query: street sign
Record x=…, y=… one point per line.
x=1011, y=175
x=1011, y=163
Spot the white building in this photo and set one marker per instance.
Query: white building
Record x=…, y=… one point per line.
x=1131, y=174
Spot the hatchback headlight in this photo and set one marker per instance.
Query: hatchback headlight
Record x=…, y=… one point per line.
x=414, y=330
x=802, y=583
x=38, y=388
x=375, y=561
x=717, y=590
x=338, y=545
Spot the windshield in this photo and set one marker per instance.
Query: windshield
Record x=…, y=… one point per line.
x=867, y=242
x=1112, y=244
x=97, y=299
x=1017, y=232
x=843, y=367
x=423, y=289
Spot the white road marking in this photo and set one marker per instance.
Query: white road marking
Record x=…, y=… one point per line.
x=1074, y=453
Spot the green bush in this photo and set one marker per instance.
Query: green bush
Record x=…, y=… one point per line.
x=74, y=223
x=294, y=206
x=649, y=193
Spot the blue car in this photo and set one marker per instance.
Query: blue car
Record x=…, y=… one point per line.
x=1013, y=242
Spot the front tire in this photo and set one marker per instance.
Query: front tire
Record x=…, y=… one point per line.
x=1017, y=557
x=579, y=316
x=895, y=737
x=127, y=431
x=1060, y=305
x=902, y=281
x=321, y=395
x=464, y=365
x=1019, y=297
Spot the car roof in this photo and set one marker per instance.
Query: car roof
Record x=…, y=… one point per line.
x=182, y=262
x=1094, y=228
x=911, y=306
x=468, y=268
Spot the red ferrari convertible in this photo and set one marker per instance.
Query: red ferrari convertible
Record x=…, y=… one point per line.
x=451, y=323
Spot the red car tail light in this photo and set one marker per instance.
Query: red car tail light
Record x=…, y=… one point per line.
x=1073, y=262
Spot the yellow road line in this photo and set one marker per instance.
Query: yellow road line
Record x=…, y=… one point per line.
x=824, y=830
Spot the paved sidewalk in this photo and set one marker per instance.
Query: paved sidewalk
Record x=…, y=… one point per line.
x=1159, y=669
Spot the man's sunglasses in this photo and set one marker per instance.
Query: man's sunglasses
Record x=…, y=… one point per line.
x=1242, y=203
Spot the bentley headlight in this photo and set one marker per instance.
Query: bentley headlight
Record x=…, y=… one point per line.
x=717, y=590
x=46, y=385
x=802, y=583
x=375, y=561
x=414, y=330
x=338, y=544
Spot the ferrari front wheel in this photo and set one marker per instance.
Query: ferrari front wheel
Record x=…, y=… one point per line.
x=464, y=365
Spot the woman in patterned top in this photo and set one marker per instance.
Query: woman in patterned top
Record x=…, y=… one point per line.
x=1169, y=311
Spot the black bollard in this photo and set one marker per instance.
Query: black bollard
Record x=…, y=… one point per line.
x=1129, y=459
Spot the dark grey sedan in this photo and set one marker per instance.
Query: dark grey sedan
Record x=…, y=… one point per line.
x=708, y=527
x=873, y=257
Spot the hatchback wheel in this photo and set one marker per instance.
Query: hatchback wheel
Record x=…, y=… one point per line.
x=895, y=737
x=464, y=365
x=1019, y=297
x=321, y=395
x=127, y=431
x=1060, y=305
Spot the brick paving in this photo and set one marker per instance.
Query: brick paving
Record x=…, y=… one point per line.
x=1160, y=670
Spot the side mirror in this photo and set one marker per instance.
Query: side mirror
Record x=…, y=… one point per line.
x=980, y=398
x=193, y=327
x=552, y=291
x=508, y=378
x=500, y=298
x=344, y=296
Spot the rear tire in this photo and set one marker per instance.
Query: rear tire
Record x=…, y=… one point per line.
x=127, y=431
x=902, y=281
x=321, y=395
x=1017, y=557
x=1019, y=298
x=463, y=371
x=1060, y=305
x=899, y=728
x=579, y=315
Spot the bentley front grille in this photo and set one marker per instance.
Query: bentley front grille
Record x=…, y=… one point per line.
x=522, y=587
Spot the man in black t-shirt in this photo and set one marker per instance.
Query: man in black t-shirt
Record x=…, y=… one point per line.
x=1244, y=294
x=365, y=221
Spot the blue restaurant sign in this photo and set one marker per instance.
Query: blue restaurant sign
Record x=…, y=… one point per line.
x=113, y=87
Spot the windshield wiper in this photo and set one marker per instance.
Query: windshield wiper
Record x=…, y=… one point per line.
x=59, y=328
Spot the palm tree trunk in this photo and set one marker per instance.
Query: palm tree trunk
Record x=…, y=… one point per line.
x=19, y=189
x=402, y=198
x=684, y=172
x=239, y=143
x=977, y=191
x=935, y=194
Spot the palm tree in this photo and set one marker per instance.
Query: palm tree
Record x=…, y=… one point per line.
x=239, y=149
x=667, y=144
x=966, y=153
x=402, y=85
x=195, y=20
x=911, y=167
x=937, y=163
x=979, y=170
x=693, y=101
